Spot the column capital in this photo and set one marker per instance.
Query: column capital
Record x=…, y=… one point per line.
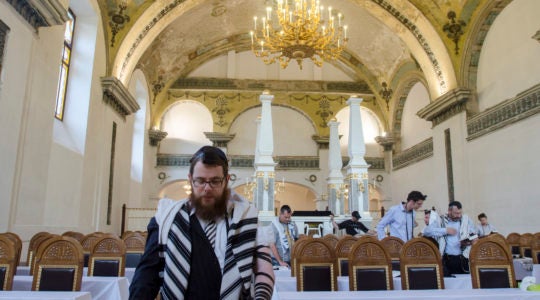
x=219, y=139
x=266, y=96
x=322, y=141
x=155, y=136
x=387, y=142
x=354, y=99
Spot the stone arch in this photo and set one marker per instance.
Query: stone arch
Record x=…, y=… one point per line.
x=474, y=42
x=401, y=96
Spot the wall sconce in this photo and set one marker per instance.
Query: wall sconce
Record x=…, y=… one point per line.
x=386, y=94
x=454, y=29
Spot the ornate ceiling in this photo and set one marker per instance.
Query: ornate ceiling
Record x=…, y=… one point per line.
x=395, y=42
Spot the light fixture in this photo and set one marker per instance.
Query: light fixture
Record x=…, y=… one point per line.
x=298, y=32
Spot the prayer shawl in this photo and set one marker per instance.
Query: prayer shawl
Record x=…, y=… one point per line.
x=239, y=258
x=281, y=231
x=466, y=223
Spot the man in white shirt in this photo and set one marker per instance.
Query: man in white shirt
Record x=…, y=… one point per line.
x=401, y=218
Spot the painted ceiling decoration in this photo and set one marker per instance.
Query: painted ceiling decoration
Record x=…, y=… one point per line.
x=393, y=44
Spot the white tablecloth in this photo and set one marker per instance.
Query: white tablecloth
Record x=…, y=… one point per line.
x=523, y=267
x=101, y=288
x=22, y=295
x=472, y=294
x=25, y=270
x=461, y=281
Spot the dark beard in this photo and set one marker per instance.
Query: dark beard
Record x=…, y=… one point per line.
x=213, y=212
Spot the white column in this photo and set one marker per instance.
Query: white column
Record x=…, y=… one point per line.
x=335, y=177
x=264, y=162
x=357, y=169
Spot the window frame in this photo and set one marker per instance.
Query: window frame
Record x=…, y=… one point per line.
x=63, y=79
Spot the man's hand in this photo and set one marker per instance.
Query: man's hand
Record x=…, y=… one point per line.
x=283, y=264
x=451, y=231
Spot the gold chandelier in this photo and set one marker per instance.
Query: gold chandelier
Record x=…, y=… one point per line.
x=298, y=32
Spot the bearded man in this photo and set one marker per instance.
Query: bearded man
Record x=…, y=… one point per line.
x=206, y=246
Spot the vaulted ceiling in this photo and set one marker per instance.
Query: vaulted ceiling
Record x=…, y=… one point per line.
x=400, y=42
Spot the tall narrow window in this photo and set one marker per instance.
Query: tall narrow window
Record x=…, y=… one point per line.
x=64, y=67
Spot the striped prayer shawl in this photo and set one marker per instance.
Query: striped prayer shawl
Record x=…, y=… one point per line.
x=242, y=255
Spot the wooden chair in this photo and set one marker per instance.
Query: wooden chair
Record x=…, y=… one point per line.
x=421, y=265
x=88, y=243
x=74, y=234
x=35, y=242
x=513, y=240
x=393, y=246
x=525, y=244
x=134, y=249
x=343, y=248
x=491, y=265
x=107, y=257
x=38, y=237
x=331, y=239
x=316, y=267
x=535, y=250
x=370, y=266
x=8, y=256
x=294, y=253
x=59, y=265
x=18, y=247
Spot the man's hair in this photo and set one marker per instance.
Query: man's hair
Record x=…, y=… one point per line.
x=285, y=208
x=415, y=196
x=454, y=203
x=427, y=212
x=210, y=155
x=482, y=215
x=356, y=214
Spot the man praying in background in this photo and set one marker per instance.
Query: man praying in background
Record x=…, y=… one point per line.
x=285, y=234
x=455, y=233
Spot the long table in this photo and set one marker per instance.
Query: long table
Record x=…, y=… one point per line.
x=101, y=288
x=25, y=270
x=23, y=295
x=471, y=294
x=459, y=282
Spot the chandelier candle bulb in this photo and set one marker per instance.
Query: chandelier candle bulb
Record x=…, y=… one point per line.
x=299, y=31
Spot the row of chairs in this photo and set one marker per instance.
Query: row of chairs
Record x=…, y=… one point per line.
x=53, y=260
x=525, y=245
x=369, y=264
x=133, y=243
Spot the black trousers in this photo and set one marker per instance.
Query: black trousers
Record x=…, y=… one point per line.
x=455, y=264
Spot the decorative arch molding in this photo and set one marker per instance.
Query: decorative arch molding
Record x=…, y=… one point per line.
x=401, y=97
x=442, y=76
x=473, y=44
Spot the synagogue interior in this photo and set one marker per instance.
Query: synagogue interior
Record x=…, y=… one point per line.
x=104, y=102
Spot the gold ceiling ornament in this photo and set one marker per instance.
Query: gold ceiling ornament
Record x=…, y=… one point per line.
x=298, y=31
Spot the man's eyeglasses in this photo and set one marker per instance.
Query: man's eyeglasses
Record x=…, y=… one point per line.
x=213, y=183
